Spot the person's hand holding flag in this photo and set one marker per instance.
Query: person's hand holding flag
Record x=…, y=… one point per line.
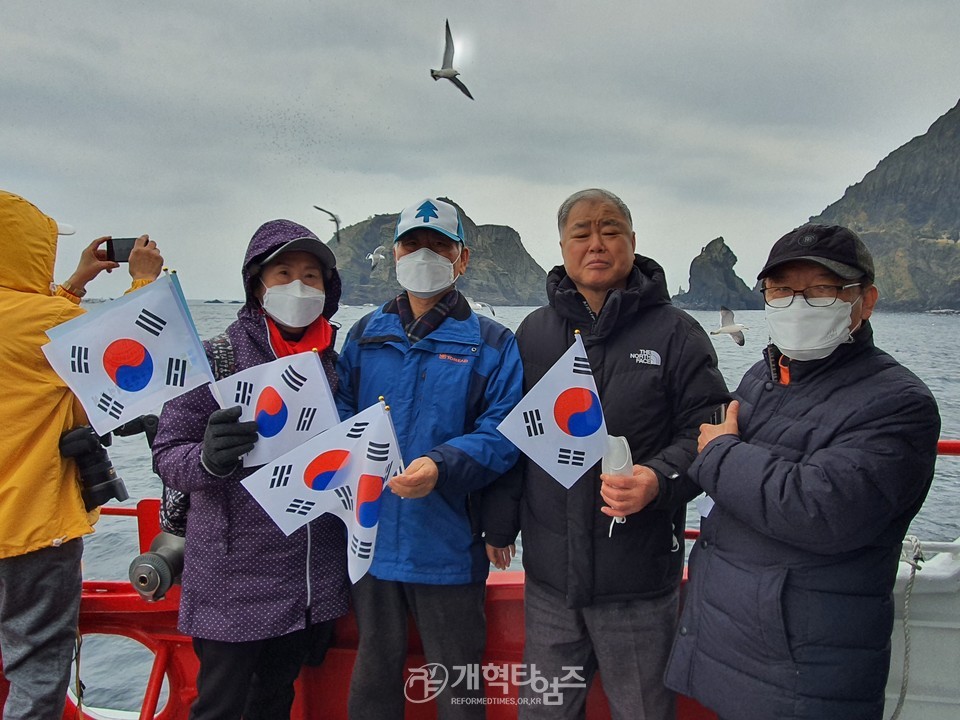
x=417, y=481
x=225, y=440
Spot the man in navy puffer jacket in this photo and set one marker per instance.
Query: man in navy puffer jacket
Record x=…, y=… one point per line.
x=822, y=462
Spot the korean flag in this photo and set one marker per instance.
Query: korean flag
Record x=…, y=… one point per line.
x=130, y=355
x=289, y=398
x=341, y=471
x=559, y=424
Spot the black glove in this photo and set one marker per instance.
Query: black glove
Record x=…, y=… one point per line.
x=225, y=440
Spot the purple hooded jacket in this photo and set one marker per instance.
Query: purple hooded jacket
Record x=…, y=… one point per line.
x=243, y=579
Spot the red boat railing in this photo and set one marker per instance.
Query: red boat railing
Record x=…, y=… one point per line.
x=948, y=447
x=115, y=608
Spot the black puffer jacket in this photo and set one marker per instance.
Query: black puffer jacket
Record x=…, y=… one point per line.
x=788, y=612
x=657, y=376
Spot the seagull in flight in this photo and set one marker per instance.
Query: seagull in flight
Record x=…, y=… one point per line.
x=335, y=219
x=376, y=256
x=730, y=326
x=480, y=305
x=447, y=71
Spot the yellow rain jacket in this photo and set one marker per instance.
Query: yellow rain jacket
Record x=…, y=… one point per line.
x=40, y=502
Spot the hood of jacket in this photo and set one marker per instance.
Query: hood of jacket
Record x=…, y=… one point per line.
x=267, y=239
x=29, y=242
x=646, y=286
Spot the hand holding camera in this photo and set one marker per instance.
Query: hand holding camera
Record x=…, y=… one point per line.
x=225, y=440
x=144, y=261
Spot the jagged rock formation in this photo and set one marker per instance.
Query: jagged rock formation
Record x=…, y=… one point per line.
x=501, y=272
x=907, y=210
x=714, y=283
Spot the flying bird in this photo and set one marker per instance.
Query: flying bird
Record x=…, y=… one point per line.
x=335, y=219
x=729, y=326
x=447, y=71
x=480, y=305
x=376, y=256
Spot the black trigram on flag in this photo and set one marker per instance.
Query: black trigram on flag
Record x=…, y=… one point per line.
x=280, y=476
x=176, y=372
x=80, y=359
x=566, y=456
x=346, y=497
x=363, y=549
x=532, y=420
x=581, y=366
x=151, y=322
x=300, y=507
x=111, y=407
x=378, y=452
x=244, y=392
x=307, y=415
x=293, y=379
x=357, y=429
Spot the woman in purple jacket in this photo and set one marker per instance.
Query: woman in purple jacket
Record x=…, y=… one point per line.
x=254, y=600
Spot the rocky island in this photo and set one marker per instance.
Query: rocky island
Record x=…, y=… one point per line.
x=501, y=271
x=907, y=210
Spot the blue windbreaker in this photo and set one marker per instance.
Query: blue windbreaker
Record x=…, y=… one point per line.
x=447, y=393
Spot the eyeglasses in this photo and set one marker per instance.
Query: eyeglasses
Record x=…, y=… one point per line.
x=815, y=295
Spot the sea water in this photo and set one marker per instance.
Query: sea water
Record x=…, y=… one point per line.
x=115, y=669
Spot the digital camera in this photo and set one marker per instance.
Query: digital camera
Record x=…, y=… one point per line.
x=98, y=479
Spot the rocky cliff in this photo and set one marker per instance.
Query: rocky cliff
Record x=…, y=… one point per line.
x=907, y=210
x=714, y=283
x=500, y=272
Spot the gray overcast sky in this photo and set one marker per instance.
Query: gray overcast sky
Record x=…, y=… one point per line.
x=198, y=121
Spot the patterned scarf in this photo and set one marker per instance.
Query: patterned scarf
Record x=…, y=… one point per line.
x=417, y=328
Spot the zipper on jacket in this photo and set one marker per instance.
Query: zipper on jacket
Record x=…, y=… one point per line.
x=592, y=314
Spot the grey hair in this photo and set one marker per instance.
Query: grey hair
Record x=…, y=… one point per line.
x=591, y=194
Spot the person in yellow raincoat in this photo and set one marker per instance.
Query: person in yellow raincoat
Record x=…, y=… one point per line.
x=42, y=513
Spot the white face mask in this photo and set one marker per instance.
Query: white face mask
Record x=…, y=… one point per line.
x=802, y=332
x=424, y=273
x=293, y=305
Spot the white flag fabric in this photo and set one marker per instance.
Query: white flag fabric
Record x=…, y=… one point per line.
x=289, y=398
x=559, y=424
x=130, y=355
x=340, y=471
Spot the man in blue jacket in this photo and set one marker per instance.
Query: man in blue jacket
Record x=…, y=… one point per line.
x=449, y=378
x=822, y=462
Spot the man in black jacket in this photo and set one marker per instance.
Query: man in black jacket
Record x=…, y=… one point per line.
x=602, y=594
x=819, y=467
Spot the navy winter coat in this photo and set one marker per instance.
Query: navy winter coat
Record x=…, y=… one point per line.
x=788, y=612
x=656, y=372
x=243, y=579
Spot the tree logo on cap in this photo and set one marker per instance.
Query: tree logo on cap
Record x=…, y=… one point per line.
x=426, y=211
